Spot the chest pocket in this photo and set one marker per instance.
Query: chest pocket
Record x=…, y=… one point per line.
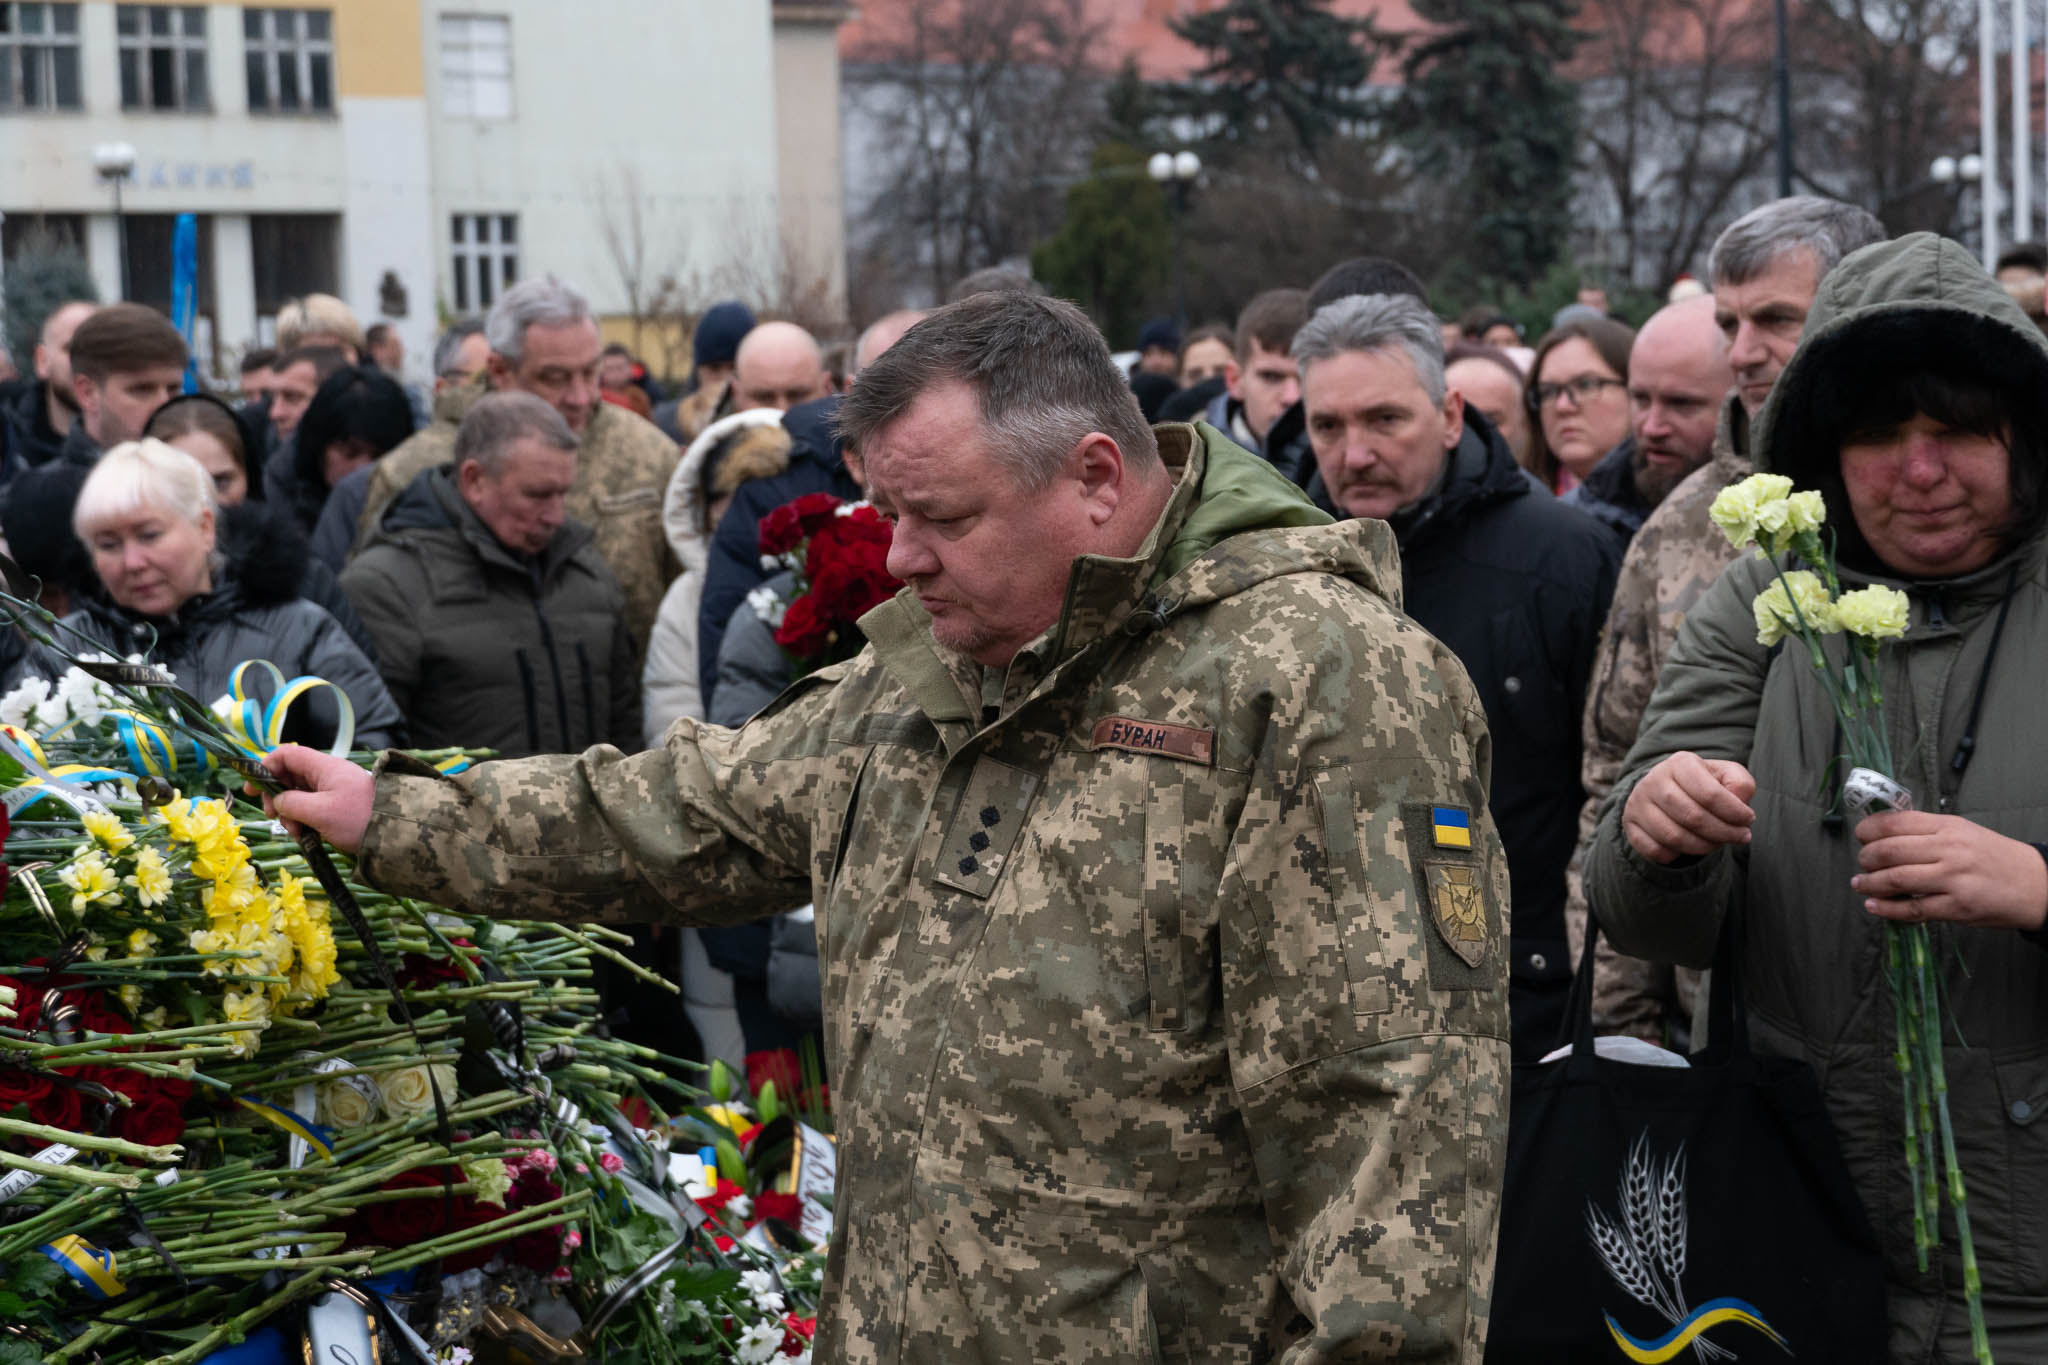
x=986, y=824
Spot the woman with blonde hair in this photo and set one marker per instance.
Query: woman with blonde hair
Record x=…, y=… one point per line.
x=147, y=516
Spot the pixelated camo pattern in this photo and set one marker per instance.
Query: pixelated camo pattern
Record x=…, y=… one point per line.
x=1136, y=1057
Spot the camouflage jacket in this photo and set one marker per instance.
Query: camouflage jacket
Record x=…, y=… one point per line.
x=1670, y=563
x=1166, y=1004
x=622, y=474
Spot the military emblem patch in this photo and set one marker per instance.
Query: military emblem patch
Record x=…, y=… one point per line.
x=1457, y=903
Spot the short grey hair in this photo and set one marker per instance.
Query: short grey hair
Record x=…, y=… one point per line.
x=499, y=420
x=1377, y=322
x=451, y=342
x=1042, y=372
x=1753, y=243
x=545, y=299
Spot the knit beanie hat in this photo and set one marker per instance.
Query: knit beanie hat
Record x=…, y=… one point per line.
x=719, y=333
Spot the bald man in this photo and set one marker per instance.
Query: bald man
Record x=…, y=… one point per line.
x=883, y=333
x=779, y=365
x=1678, y=375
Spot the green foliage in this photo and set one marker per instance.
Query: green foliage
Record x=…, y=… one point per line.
x=1271, y=64
x=1111, y=253
x=1486, y=107
x=1533, y=305
x=47, y=270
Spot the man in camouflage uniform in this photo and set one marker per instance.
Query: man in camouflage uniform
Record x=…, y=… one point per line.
x=1160, y=914
x=545, y=342
x=1766, y=268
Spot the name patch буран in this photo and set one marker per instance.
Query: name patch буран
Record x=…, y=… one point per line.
x=1154, y=737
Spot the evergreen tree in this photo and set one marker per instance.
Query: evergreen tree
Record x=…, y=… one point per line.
x=46, y=270
x=1281, y=64
x=1485, y=107
x=1110, y=253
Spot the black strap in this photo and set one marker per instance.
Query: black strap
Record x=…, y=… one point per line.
x=1727, y=1015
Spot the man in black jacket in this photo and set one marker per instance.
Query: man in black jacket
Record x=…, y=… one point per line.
x=39, y=413
x=1513, y=581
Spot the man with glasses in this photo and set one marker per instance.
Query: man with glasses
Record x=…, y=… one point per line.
x=1678, y=375
x=1511, y=580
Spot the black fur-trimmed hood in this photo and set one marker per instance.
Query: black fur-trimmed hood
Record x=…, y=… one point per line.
x=265, y=555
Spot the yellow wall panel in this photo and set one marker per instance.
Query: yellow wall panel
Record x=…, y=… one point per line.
x=377, y=45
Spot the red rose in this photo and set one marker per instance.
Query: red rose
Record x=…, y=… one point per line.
x=797, y=1332
x=100, y=1017
x=783, y=1208
x=781, y=531
x=805, y=631
x=532, y=1187
x=538, y=1251
x=153, y=1121
x=21, y=1087
x=404, y=1221
x=779, y=1065
x=59, y=1107
x=816, y=511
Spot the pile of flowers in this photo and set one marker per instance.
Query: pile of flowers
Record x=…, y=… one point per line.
x=837, y=553
x=213, y=1110
x=1808, y=605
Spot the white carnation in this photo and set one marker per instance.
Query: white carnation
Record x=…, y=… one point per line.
x=768, y=607
x=51, y=712
x=83, y=695
x=760, y=1343
x=17, y=706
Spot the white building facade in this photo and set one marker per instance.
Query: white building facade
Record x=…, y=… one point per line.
x=412, y=156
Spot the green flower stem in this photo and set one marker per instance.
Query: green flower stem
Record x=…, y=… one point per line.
x=103, y=1041
x=1902, y=1058
x=586, y=939
x=416, y=1192
x=236, y=1327
x=484, y=1234
x=86, y=1142
x=129, y=1305
x=1973, y=1280
x=78, y=1175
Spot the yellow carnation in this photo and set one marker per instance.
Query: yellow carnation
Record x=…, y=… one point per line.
x=1805, y=512
x=1737, y=508
x=493, y=1182
x=91, y=881
x=1875, y=613
x=151, y=878
x=107, y=830
x=1775, y=614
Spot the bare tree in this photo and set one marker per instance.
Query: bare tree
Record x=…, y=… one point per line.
x=1676, y=120
x=980, y=112
x=1905, y=72
x=619, y=203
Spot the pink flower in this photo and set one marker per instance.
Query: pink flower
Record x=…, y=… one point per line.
x=582, y=1168
x=612, y=1162
x=540, y=1159
x=560, y=1275
x=571, y=1240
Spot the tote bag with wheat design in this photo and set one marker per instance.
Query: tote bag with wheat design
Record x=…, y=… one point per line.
x=1692, y=1214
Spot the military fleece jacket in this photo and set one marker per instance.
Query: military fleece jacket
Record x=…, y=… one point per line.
x=1813, y=960
x=1147, y=991
x=481, y=647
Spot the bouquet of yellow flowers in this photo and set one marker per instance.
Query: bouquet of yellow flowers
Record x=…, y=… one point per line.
x=1809, y=606
x=223, y=1114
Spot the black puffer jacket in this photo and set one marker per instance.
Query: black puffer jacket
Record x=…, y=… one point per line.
x=255, y=612
x=488, y=649
x=28, y=437
x=1517, y=585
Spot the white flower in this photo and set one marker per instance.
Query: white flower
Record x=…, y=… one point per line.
x=51, y=712
x=760, y=1286
x=760, y=1343
x=82, y=695
x=768, y=606
x=17, y=706
x=739, y=1206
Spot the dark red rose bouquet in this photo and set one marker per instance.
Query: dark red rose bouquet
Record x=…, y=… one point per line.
x=837, y=553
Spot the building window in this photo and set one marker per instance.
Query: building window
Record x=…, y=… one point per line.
x=476, y=66
x=486, y=258
x=295, y=254
x=38, y=56
x=291, y=60
x=163, y=56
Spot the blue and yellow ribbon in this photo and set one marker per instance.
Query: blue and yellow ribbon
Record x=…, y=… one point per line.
x=91, y=1266
x=318, y=1138
x=258, y=727
x=1706, y=1316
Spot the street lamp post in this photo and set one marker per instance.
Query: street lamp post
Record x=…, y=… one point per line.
x=1177, y=172
x=1963, y=172
x=115, y=161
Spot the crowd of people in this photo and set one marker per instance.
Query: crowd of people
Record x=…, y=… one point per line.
x=1185, y=650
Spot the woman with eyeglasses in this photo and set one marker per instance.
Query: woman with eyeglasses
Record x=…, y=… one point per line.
x=1578, y=393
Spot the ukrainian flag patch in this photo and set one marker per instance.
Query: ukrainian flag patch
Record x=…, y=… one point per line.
x=1450, y=827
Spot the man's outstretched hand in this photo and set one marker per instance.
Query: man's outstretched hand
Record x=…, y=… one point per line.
x=330, y=795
